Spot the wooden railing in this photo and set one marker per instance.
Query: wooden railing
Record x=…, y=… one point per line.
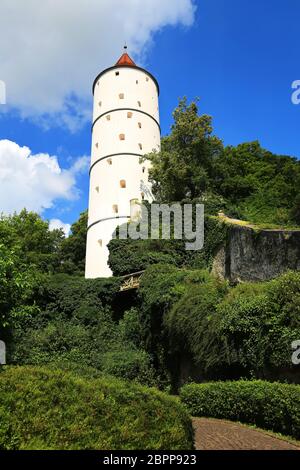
x=131, y=281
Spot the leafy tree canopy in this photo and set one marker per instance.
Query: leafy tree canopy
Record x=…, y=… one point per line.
x=246, y=181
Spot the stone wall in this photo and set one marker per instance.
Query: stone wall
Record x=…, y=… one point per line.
x=257, y=255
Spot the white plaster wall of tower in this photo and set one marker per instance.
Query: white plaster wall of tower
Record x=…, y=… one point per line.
x=125, y=127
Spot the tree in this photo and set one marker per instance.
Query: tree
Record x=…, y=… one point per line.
x=245, y=181
x=295, y=213
x=262, y=184
x=181, y=169
x=28, y=234
x=16, y=284
x=73, y=247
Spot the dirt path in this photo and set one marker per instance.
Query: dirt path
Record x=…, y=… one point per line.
x=215, y=434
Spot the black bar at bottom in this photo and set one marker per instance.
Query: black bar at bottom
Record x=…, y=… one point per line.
x=137, y=459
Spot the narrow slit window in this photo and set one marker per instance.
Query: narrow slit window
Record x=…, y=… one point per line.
x=140, y=104
x=137, y=82
x=100, y=103
x=108, y=117
x=147, y=79
x=140, y=146
x=109, y=161
x=143, y=169
x=100, y=242
x=115, y=208
x=122, y=136
x=97, y=189
x=143, y=196
x=97, y=145
x=140, y=125
x=129, y=114
x=121, y=96
x=122, y=184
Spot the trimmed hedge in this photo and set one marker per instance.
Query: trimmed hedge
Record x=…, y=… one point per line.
x=272, y=406
x=42, y=408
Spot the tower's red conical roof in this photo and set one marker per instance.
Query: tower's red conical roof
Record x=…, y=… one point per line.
x=125, y=60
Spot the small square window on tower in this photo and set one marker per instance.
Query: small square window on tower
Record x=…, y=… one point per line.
x=115, y=208
x=109, y=161
x=121, y=96
x=122, y=136
x=117, y=74
x=129, y=114
x=108, y=117
x=140, y=147
x=140, y=104
x=122, y=184
x=140, y=125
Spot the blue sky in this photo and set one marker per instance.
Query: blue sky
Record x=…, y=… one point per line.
x=238, y=56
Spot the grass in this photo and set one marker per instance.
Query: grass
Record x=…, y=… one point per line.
x=255, y=226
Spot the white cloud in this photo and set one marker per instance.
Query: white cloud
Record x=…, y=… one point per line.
x=51, y=50
x=34, y=181
x=57, y=224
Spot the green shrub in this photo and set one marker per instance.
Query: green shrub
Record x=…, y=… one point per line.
x=129, y=256
x=272, y=406
x=64, y=293
x=257, y=322
x=83, y=339
x=90, y=339
x=129, y=365
x=131, y=329
x=215, y=236
x=47, y=409
x=162, y=289
x=191, y=322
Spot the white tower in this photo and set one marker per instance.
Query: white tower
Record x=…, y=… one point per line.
x=125, y=127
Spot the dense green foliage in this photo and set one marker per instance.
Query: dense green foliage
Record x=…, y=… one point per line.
x=42, y=408
x=29, y=236
x=48, y=251
x=16, y=284
x=163, y=289
x=77, y=322
x=257, y=323
x=131, y=256
x=182, y=167
x=247, y=180
x=272, y=406
x=73, y=247
x=225, y=332
x=191, y=322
